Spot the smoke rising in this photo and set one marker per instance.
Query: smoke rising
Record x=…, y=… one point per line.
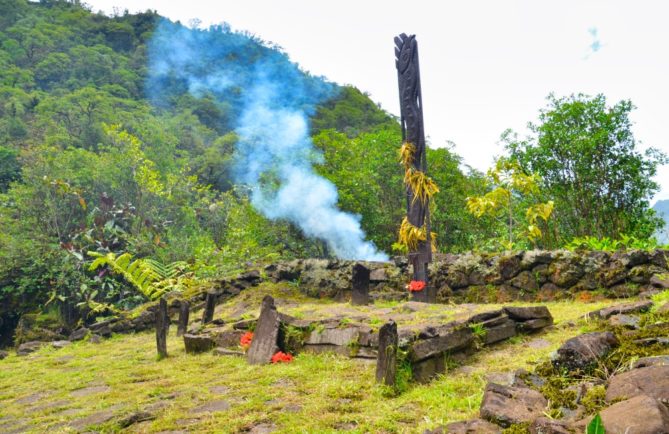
x=271, y=100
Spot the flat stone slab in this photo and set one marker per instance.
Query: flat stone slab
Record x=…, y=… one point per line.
x=334, y=336
x=92, y=390
x=459, y=337
x=651, y=381
x=627, y=308
x=266, y=334
x=93, y=419
x=581, y=351
x=212, y=407
x=639, y=415
x=651, y=361
x=478, y=426
x=506, y=405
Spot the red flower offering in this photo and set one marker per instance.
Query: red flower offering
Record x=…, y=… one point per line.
x=416, y=285
x=281, y=357
x=245, y=340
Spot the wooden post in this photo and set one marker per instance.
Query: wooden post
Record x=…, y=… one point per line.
x=184, y=313
x=386, y=362
x=162, y=325
x=209, y=306
x=360, y=285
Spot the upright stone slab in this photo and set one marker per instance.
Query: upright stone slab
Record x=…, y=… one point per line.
x=266, y=334
x=209, y=306
x=386, y=362
x=184, y=313
x=162, y=325
x=360, y=291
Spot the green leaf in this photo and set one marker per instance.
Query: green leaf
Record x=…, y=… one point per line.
x=595, y=426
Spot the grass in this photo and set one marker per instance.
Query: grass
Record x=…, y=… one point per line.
x=315, y=393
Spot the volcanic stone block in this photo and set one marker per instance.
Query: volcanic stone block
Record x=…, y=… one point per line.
x=209, y=306
x=533, y=325
x=198, y=344
x=478, y=426
x=360, y=291
x=544, y=425
x=162, y=326
x=499, y=331
x=425, y=370
x=639, y=415
x=527, y=313
x=266, y=334
x=507, y=405
x=184, y=313
x=386, y=362
x=639, y=306
x=341, y=337
x=583, y=350
x=652, y=381
x=456, y=339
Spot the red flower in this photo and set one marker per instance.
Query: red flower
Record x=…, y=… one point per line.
x=416, y=285
x=281, y=357
x=246, y=339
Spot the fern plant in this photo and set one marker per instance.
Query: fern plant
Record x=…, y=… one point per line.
x=149, y=277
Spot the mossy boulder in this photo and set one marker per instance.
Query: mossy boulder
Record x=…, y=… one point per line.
x=40, y=327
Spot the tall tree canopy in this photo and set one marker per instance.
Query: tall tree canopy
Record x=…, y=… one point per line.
x=588, y=158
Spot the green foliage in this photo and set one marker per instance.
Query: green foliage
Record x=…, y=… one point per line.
x=595, y=426
x=587, y=157
x=513, y=193
x=608, y=244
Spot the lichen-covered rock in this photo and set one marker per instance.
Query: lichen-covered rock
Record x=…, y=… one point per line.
x=534, y=258
x=526, y=281
x=639, y=415
x=652, y=381
x=544, y=425
x=509, y=266
x=625, y=309
x=660, y=281
x=582, y=351
x=565, y=272
x=198, y=343
x=508, y=405
x=474, y=426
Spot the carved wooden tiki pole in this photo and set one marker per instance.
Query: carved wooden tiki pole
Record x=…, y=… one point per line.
x=413, y=153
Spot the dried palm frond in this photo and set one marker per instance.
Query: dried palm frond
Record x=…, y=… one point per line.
x=410, y=236
x=407, y=152
x=421, y=185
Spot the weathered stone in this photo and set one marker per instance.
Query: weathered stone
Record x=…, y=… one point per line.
x=136, y=417
x=266, y=335
x=506, y=405
x=623, y=290
x=486, y=316
x=652, y=381
x=220, y=351
x=93, y=419
x=386, y=362
x=626, y=321
x=658, y=257
x=328, y=349
x=341, y=337
x=457, y=279
x=360, y=285
x=29, y=347
x=532, y=258
x=244, y=324
x=499, y=331
x=162, y=326
x=660, y=281
x=509, y=266
x=544, y=425
x=581, y=351
x=526, y=281
x=198, y=343
x=458, y=338
x=184, y=313
x=79, y=334
x=225, y=337
x=533, y=325
x=425, y=370
x=378, y=275
x=646, y=342
x=631, y=258
x=663, y=309
x=474, y=426
x=364, y=353
x=638, y=415
x=3, y=354
x=527, y=313
x=60, y=344
x=637, y=307
x=565, y=273
x=651, y=361
x=212, y=407
x=91, y=390
x=209, y=306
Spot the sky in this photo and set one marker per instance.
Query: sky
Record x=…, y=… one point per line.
x=486, y=66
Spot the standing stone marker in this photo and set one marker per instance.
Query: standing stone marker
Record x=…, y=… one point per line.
x=266, y=334
x=386, y=362
x=184, y=313
x=360, y=291
x=162, y=325
x=209, y=306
